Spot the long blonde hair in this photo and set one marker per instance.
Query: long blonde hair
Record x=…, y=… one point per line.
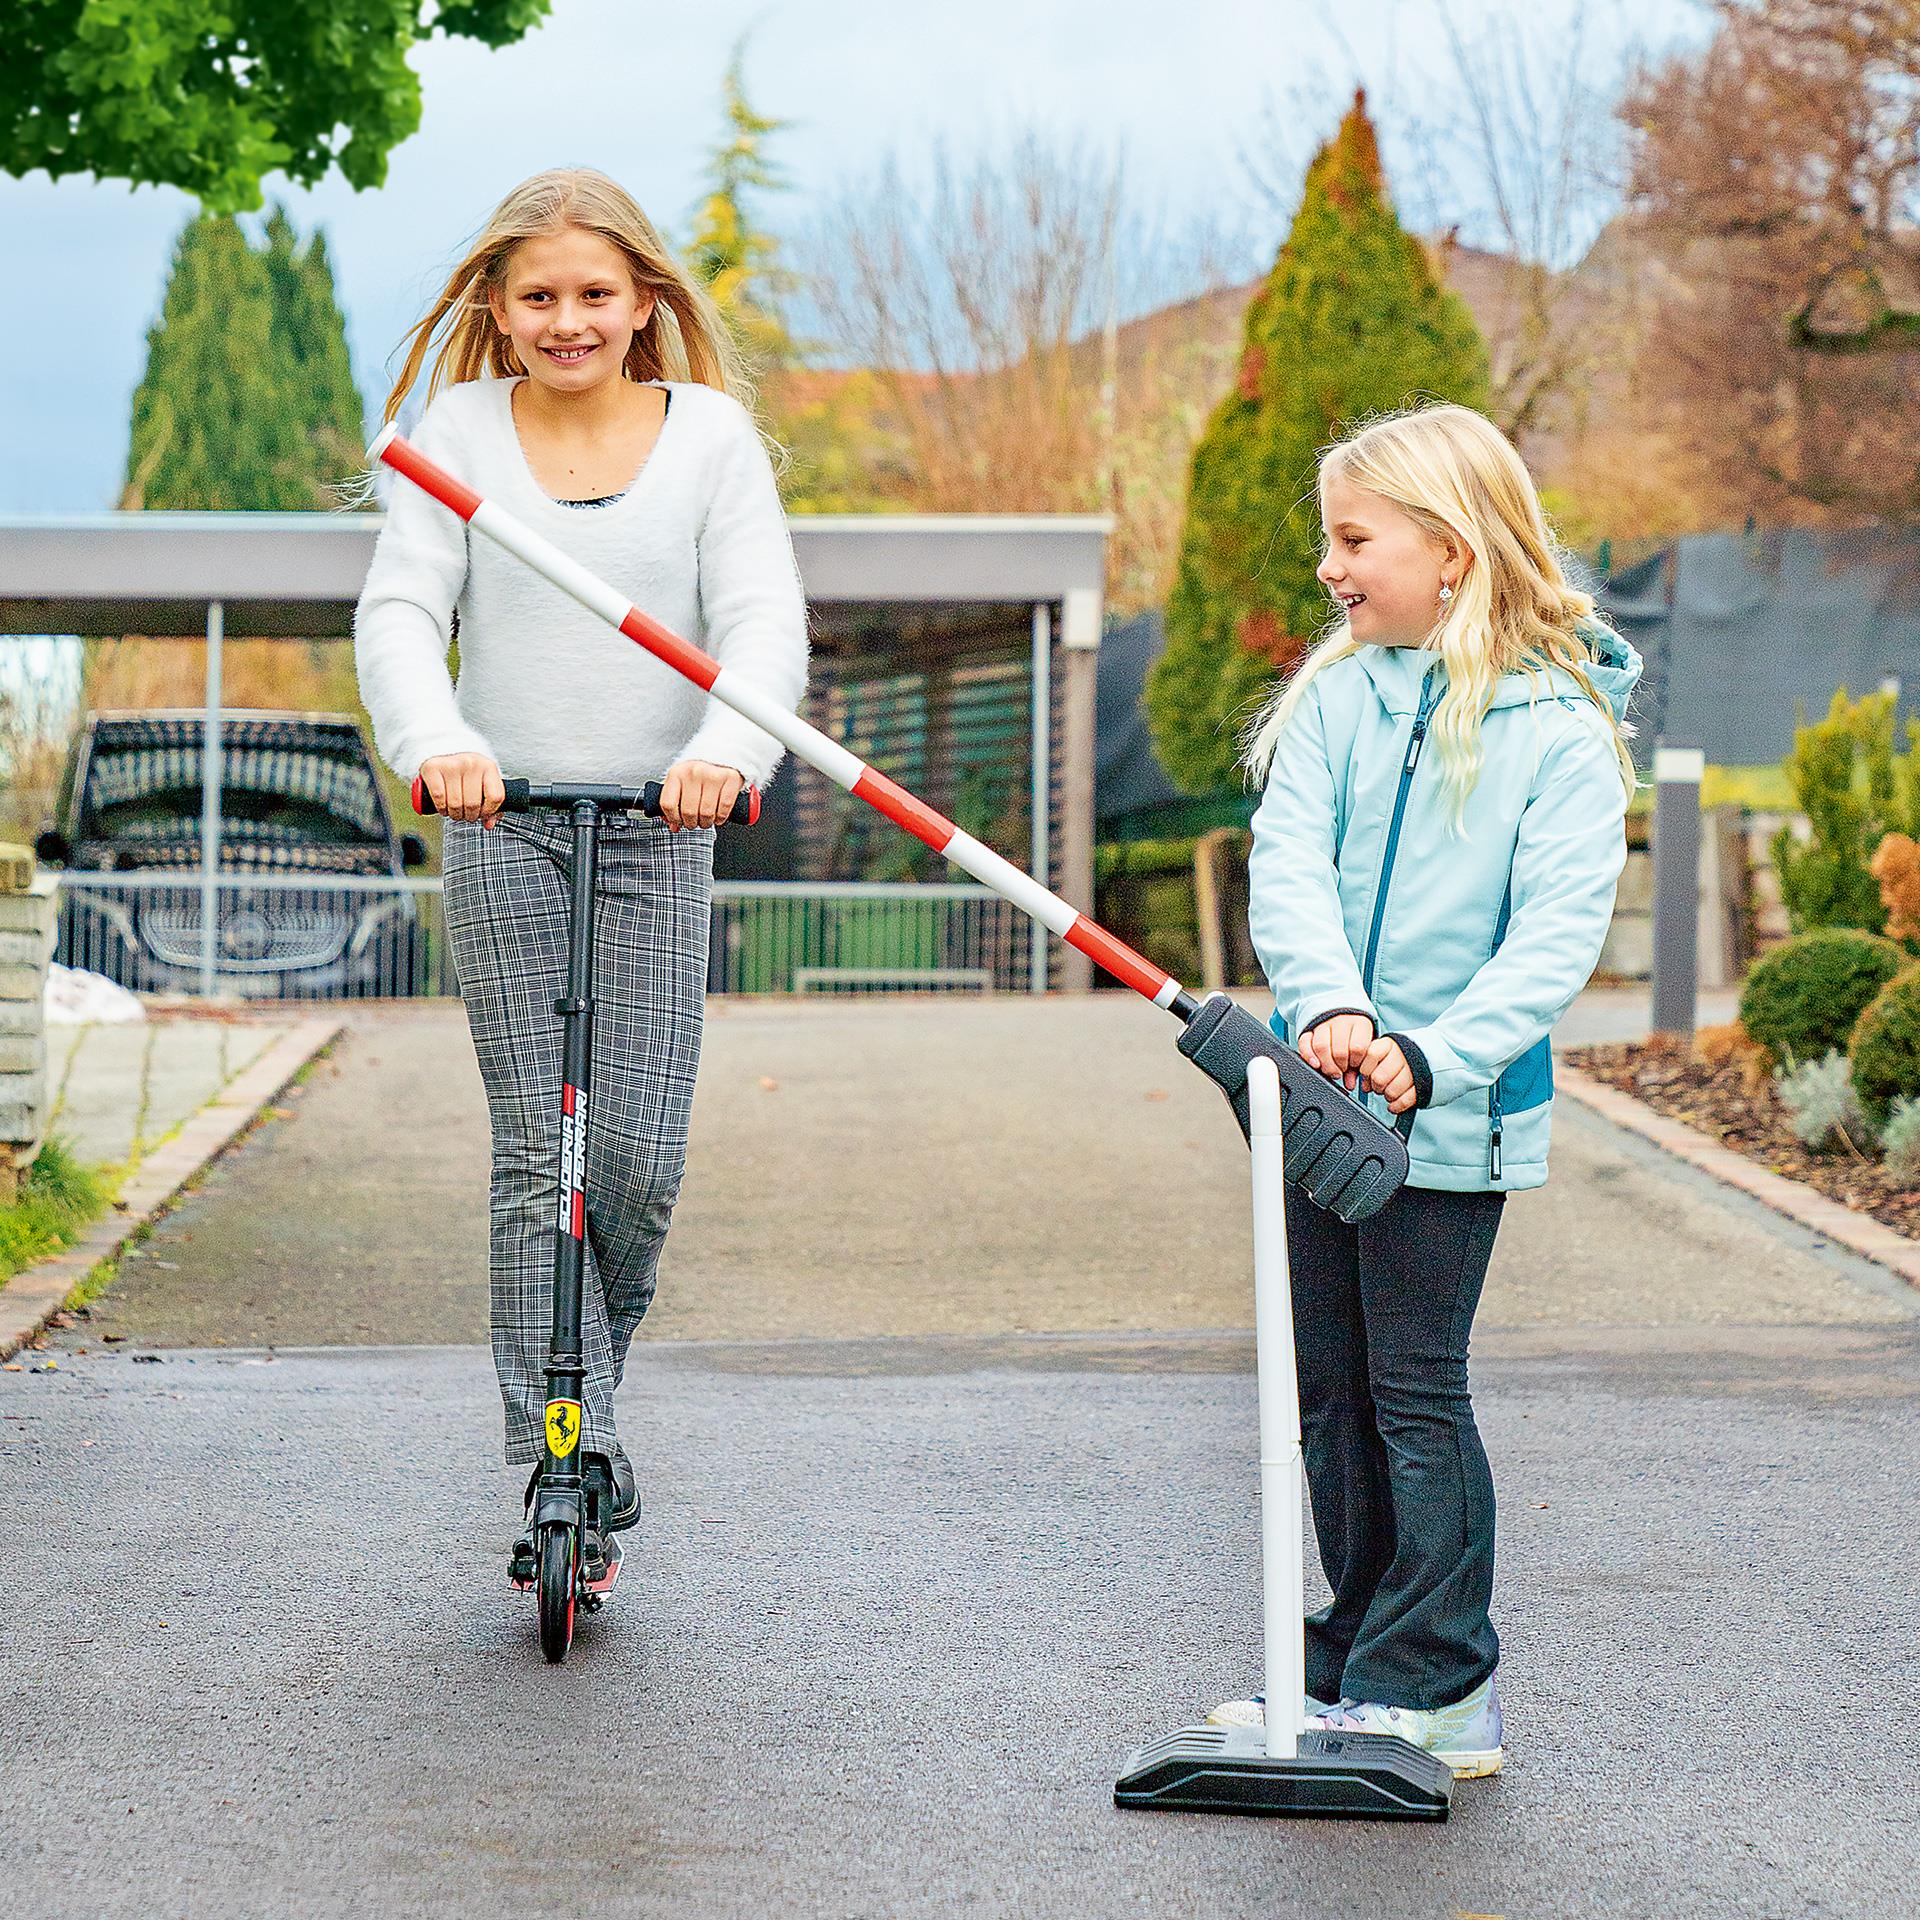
x=686, y=338
x=1453, y=473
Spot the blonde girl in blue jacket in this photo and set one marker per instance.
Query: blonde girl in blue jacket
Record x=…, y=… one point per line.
x=1433, y=873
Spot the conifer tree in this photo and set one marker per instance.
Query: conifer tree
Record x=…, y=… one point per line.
x=310, y=334
x=214, y=424
x=247, y=403
x=1351, y=322
x=737, y=260
x=248, y=400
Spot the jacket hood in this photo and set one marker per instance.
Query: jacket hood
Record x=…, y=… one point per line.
x=1613, y=666
x=1616, y=665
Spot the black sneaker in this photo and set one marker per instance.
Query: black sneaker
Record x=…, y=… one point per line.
x=610, y=1484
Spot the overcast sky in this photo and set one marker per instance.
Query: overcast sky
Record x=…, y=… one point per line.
x=631, y=86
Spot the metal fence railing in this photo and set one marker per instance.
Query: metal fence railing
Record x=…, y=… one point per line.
x=332, y=937
x=276, y=936
x=781, y=936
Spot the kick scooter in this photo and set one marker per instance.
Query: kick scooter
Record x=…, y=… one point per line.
x=567, y=1557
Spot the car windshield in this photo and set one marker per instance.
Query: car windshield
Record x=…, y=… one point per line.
x=282, y=796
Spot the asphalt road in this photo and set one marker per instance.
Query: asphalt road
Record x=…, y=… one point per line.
x=900, y=1606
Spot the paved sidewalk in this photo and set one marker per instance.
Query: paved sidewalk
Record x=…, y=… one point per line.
x=154, y=1103
x=118, y=1089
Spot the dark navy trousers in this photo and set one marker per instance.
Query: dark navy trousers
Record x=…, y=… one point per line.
x=1402, y=1495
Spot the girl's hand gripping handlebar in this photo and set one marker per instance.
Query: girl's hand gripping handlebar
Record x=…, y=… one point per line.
x=524, y=796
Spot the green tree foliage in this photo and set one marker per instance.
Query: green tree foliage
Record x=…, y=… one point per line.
x=739, y=261
x=212, y=421
x=1352, y=322
x=210, y=97
x=1854, y=789
x=248, y=399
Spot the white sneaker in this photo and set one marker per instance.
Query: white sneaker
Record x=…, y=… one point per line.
x=1253, y=1713
x=1467, y=1735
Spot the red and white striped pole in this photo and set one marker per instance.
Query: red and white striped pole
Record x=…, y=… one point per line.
x=823, y=754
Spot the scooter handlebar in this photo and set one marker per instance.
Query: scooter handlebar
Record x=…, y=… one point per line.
x=523, y=796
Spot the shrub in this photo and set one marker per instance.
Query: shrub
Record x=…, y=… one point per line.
x=1885, y=1047
x=1801, y=1000
x=1900, y=1140
x=1855, y=788
x=1821, y=1105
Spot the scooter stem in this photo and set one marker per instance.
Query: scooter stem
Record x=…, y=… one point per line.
x=566, y=1368
x=1283, y=1580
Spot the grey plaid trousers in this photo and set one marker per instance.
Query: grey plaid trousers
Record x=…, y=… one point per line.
x=506, y=894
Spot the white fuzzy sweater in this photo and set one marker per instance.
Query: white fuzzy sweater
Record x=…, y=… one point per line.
x=548, y=689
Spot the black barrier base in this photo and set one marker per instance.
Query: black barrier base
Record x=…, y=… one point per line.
x=1341, y=1156
x=1335, y=1776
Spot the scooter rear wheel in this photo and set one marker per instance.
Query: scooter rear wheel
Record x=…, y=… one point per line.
x=559, y=1582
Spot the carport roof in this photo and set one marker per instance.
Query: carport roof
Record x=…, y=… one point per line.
x=299, y=574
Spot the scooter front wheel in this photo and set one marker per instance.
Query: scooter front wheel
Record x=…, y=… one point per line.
x=559, y=1581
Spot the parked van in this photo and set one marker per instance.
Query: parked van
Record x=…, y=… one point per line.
x=308, y=857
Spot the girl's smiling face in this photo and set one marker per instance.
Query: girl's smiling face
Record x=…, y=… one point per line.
x=1381, y=565
x=569, y=305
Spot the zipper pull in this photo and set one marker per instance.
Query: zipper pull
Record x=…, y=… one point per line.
x=1420, y=720
x=1493, y=1152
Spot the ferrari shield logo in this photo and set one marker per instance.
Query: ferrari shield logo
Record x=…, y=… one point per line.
x=563, y=1427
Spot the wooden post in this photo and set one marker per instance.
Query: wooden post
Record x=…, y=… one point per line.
x=1207, y=907
x=1079, y=674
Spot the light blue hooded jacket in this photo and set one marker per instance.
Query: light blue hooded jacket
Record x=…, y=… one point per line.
x=1472, y=947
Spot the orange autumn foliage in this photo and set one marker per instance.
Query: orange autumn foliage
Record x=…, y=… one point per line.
x=1732, y=1045
x=1896, y=865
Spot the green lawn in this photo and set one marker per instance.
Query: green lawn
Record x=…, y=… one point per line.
x=1761, y=789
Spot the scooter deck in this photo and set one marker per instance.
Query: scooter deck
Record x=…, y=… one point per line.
x=615, y=1559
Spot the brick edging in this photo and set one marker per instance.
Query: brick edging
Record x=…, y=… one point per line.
x=1860, y=1232
x=34, y=1295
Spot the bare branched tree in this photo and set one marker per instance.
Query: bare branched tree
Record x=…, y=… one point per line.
x=989, y=302
x=39, y=711
x=1776, y=176
x=1537, y=148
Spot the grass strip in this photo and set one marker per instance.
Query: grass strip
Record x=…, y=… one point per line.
x=58, y=1200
